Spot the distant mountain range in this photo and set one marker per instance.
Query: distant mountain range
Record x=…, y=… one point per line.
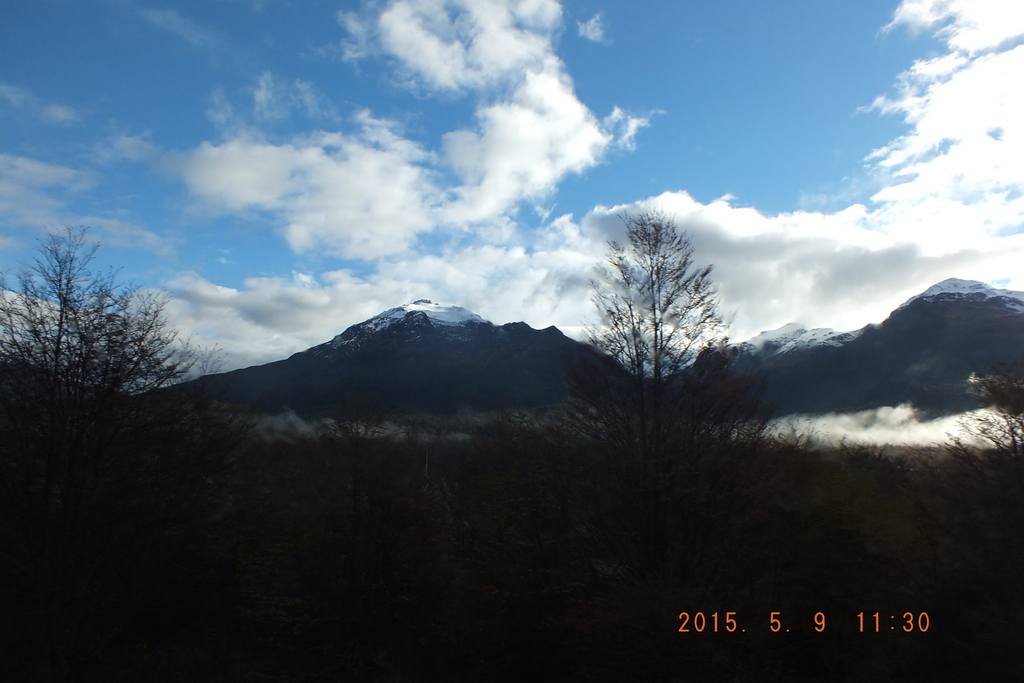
x=923, y=353
x=425, y=357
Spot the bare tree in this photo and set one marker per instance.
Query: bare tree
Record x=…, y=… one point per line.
x=659, y=312
x=659, y=308
x=990, y=448
x=657, y=395
x=82, y=357
x=99, y=458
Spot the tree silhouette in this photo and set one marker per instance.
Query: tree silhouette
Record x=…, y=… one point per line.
x=657, y=399
x=658, y=312
x=102, y=464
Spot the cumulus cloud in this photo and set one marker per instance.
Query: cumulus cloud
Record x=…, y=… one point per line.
x=372, y=193
x=362, y=195
x=522, y=147
x=967, y=25
x=533, y=132
x=459, y=44
x=592, y=29
x=827, y=270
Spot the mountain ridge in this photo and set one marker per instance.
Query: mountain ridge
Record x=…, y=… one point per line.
x=794, y=336
x=418, y=357
x=923, y=353
x=428, y=357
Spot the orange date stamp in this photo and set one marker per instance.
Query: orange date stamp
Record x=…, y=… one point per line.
x=728, y=622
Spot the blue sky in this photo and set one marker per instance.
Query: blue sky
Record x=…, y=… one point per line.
x=285, y=169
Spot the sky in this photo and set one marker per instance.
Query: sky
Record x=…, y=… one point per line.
x=284, y=169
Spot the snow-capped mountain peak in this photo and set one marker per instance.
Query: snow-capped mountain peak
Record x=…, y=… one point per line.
x=438, y=313
x=955, y=287
x=451, y=318
x=794, y=336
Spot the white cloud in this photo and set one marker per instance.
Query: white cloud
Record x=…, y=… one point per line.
x=32, y=194
x=59, y=113
x=959, y=174
x=27, y=187
x=523, y=147
x=356, y=43
x=272, y=101
x=625, y=127
x=531, y=128
x=362, y=195
x=967, y=25
x=457, y=44
x=826, y=270
x=172, y=22
x=265, y=103
x=127, y=234
x=304, y=95
x=949, y=200
x=26, y=100
x=220, y=111
x=124, y=147
x=270, y=318
x=592, y=29
x=30, y=173
x=15, y=96
x=370, y=194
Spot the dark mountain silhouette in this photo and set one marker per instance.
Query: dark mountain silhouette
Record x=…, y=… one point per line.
x=923, y=353
x=416, y=358
x=427, y=358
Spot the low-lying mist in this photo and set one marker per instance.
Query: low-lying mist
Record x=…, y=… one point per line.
x=898, y=425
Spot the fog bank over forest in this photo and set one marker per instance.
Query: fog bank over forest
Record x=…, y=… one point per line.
x=896, y=425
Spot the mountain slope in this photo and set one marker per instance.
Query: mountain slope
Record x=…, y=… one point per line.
x=424, y=357
x=420, y=357
x=922, y=353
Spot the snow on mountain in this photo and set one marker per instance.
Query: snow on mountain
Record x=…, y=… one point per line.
x=437, y=314
x=793, y=336
x=955, y=287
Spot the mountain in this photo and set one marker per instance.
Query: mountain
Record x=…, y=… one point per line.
x=793, y=337
x=419, y=357
x=923, y=353
x=425, y=357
